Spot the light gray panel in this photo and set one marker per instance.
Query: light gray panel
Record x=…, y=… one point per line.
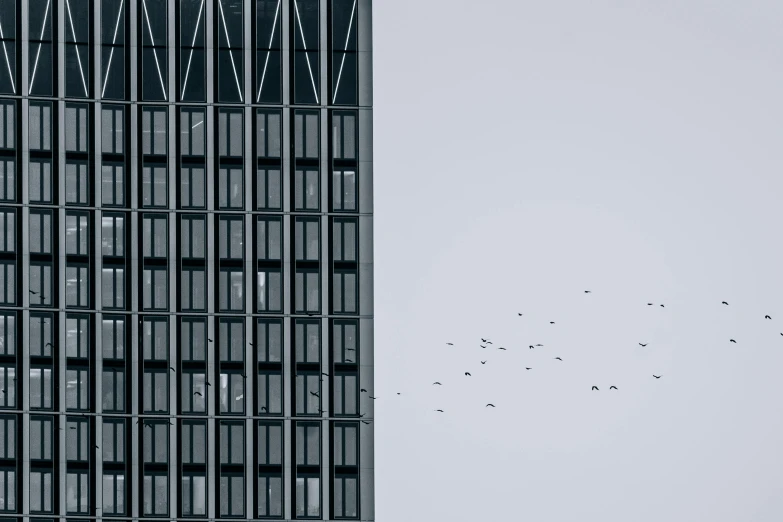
x=366, y=199
x=365, y=288
x=365, y=239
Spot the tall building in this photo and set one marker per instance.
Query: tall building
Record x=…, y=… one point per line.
x=186, y=259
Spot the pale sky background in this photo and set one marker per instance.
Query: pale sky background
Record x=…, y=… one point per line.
x=525, y=152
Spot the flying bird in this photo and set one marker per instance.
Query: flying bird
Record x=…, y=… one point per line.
x=172, y=369
x=198, y=393
x=662, y=306
x=468, y=374
x=373, y=398
x=551, y=322
x=558, y=358
x=594, y=388
x=363, y=391
x=348, y=360
x=484, y=340
x=398, y=393
x=324, y=373
x=531, y=347
x=528, y=368
x=657, y=376
x=210, y=340
x=436, y=382
x=539, y=345
x=501, y=348
x=767, y=317
x=483, y=362
x=439, y=411
x=649, y=304
x=490, y=404
x=643, y=345
x=450, y=344
x=732, y=341
x=366, y=422
x=612, y=387
x=314, y=394
x=588, y=292
x=519, y=314
x=724, y=302
x=482, y=346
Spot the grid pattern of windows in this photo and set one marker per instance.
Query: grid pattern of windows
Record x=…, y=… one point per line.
x=185, y=259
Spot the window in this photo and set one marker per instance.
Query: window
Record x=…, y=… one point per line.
x=344, y=161
x=8, y=76
x=232, y=495
x=193, y=158
x=232, y=288
x=113, y=492
x=231, y=133
x=77, y=234
x=113, y=287
x=232, y=340
x=194, y=392
x=156, y=442
x=41, y=438
x=270, y=340
x=194, y=289
x=113, y=447
x=306, y=195
x=231, y=238
x=156, y=391
x=192, y=73
x=193, y=337
x=232, y=393
x=77, y=128
x=268, y=51
x=308, y=456
x=113, y=49
x=270, y=460
x=77, y=437
x=155, y=487
x=230, y=188
x=113, y=454
x=344, y=189
x=77, y=47
x=154, y=136
x=193, y=187
x=77, y=286
x=41, y=491
x=7, y=489
x=270, y=443
x=7, y=146
x=155, y=339
x=194, y=494
x=113, y=390
x=346, y=394
x=270, y=495
x=7, y=179
x=345, y=342
x=7, y=231
x=41, y=232
x=192, y=248
x=8, y=334
x=154, y=186
x=194, y=442
x=230, y=151
x=40, y=283
x=76, y=492
x=113, y=126
x=270, y=290
x=269, y=238
x=230, y=58
x=41, y=329
x=194, y=237
x=307, y=291
x=77, y=336
x=41, y=181
x=308, y=393
x=76, y=389
x=40, y=124
x=343, y=47
x=113, y=234
x=268, y=196
x=306, y=237
x=113, y=185
x=155, y=232
x=8, y=282
x=40, y=388
x=344, y=240
x=8, y=384
x=154, y=62
x=306, y=81
x=344, y=292
x=268, y=130
x=346, y=493
x=270, y=393
x=7, y=437
x=307, y=334
x=268, y=155
x=113, y=341
x=346, y=457
x=41, y=59
x=232, y=443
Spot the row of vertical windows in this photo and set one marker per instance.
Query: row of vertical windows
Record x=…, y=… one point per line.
x=191, y=370
x=228, y=19
x=269, y=450
x=154, y=191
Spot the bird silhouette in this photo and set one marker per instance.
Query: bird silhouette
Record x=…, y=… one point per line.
x=450, y=344
x=468, y=374
x=210, y=340
x=662, y=306
x=767, y=317
x=551, y=322
x=172, y=369
x=528, y=368
x=209, y=384
x=732, y=341
x=366, y=422
x=484, y=340
x=436, y=382
x=373, y=398
x=198, y=393
x=439, y=411
x=539, y=345
x=483, y=362
x=612, y=387
x=501, y=348
x=263, y=408
x=489, y=404
x=643, y=345
x=314, y=394
x=519, y=314
x=324, y=373
x=649, y=304
x=724, y=302
x=531, y=347
x=588, y=292
x=33, y=292
x=558, y=358
x=363, y=391
x=482, y=346
x=657, y=376
x=348, y=360
x=594, y=388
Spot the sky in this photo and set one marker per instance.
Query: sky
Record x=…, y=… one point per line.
x=525, y=152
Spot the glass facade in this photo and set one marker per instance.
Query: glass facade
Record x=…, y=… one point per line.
x=186, y=270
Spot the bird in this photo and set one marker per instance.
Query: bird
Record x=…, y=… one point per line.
x=348, y=360
x=172, y=369
x=208, y=339
x=649, y=304
x=468, y=374
x=724, y=302
x=551, y=322
x=33, y=292
x=526, y=368
x=732, y=341
x=594, y=388
x=198, y=393
x=483, y=362
x=612, y=387
x=558, y=358
x=450, y=344
x=482, y=346
x=539, y=345
x=366, y=422
x=501, y=348
x=484, y=340
x=97, y=447
x=489, y=404
x=71, y=427
x=49, y=344
x=657, y=376
x=531, y=347
x=643, y=345
x=767, y=317
x=350, y=349
x=373, y=398
x=436, y=382
x=662, y=306
x=324, y=373
x=362, y=391
x=439, y=411
x=208, y=384
x=588, y=292
x=519, y=314
x=263, y=408
x=314, y=394
x=398, y=393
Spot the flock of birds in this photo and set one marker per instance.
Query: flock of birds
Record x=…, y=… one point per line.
x=485, y=342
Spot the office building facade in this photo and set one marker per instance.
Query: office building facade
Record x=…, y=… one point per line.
x=186, y=282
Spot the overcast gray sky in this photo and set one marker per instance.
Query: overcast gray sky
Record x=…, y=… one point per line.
x=525, y=152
